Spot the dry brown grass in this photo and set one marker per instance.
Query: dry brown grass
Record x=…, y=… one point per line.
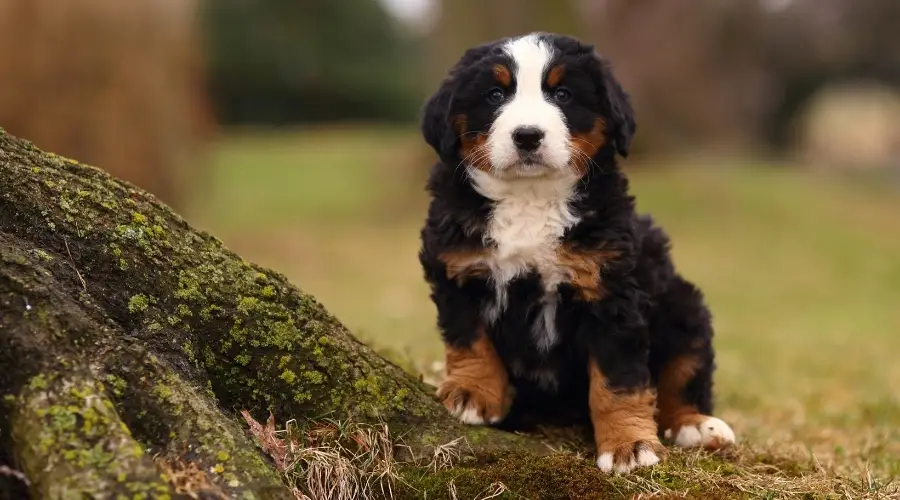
x=6, y=471
x=349, y=460
x=331, y=459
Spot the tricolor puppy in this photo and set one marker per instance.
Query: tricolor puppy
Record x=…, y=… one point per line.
x=546, y=280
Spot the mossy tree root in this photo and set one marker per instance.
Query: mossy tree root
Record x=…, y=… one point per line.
x=129, y=342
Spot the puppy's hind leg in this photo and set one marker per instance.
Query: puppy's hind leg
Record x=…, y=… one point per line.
x=682, y=364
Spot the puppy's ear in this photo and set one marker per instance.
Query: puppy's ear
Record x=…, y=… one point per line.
x=436, y=127
x=623, y=126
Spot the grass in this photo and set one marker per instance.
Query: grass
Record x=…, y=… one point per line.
x=802, y=272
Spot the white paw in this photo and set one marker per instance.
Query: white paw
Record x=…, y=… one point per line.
x=712, y=433
x=605, y=462
x=468, y=415
x=644, y=458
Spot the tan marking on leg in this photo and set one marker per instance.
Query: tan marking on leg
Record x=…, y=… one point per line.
x=473, y=149
x=477, y=384
x=624, y=428
x=681, y=421
x=465, y=264
x=674, y=377
x=586, y=144
x=584, y=270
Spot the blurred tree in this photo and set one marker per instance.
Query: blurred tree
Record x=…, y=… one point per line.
x=464, y=23
x=117, y=84
x=737, y=73
x=282, y=61
x=861, y=44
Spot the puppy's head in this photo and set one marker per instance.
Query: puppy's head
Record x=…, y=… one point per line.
x=538, y=105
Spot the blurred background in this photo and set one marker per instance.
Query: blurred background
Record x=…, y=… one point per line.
x=768, y=145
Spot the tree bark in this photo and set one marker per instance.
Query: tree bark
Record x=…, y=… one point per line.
x=129, y=340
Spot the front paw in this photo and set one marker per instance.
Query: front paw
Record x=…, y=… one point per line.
x=701, y=431
x=627, y=456
x=475, y=402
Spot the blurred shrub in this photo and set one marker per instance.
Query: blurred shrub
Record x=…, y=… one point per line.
x=851, y=126
x=739, y=73
x=114, y=84
x=285, y=61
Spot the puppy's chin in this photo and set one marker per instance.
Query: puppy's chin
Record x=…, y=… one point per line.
x=527, y=170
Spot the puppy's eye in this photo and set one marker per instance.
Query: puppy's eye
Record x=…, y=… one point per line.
x=495, y=95
x=562, y=95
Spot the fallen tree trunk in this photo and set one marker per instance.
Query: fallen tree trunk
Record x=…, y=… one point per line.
x=130, y=343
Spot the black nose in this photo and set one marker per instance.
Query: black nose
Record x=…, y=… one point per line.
x=528, y=138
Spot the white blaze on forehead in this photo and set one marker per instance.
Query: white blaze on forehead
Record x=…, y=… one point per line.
x=532, y=59
x=529, y=107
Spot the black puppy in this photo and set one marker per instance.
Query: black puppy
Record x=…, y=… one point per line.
x=544, y=277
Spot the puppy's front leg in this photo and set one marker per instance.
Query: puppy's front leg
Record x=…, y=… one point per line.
x=622, y=402
x=476, y=389
x=624, y=429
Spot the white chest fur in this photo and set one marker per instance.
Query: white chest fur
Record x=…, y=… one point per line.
x=528, y=219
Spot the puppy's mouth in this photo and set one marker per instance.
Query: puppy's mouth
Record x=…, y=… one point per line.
x=532, y=168
x=531, y=164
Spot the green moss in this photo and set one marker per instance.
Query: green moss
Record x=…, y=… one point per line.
x=116, y=384
x=267, y=291
x=188, y=287
x=163, y=391
x=38, y=382
x=138, y=303
x=206, y=314
x=139, y=218
x=555, y=477
x=188, y=349
x=314, y=377
x=248, y=305
x=183, y=311
x=46, y=257
x=73, y=426
x=288, y=376
x=216, y=443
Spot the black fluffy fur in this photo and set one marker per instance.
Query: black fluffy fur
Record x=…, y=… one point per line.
x=649, y=316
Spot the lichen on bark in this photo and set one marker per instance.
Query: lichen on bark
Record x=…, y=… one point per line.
x=125, y=334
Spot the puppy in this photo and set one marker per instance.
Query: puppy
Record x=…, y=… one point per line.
x=545, y=278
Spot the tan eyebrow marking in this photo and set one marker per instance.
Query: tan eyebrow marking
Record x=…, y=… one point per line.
x=502, y=74
x=555, y=75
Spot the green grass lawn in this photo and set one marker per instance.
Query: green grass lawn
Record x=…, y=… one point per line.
x=802, y=273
